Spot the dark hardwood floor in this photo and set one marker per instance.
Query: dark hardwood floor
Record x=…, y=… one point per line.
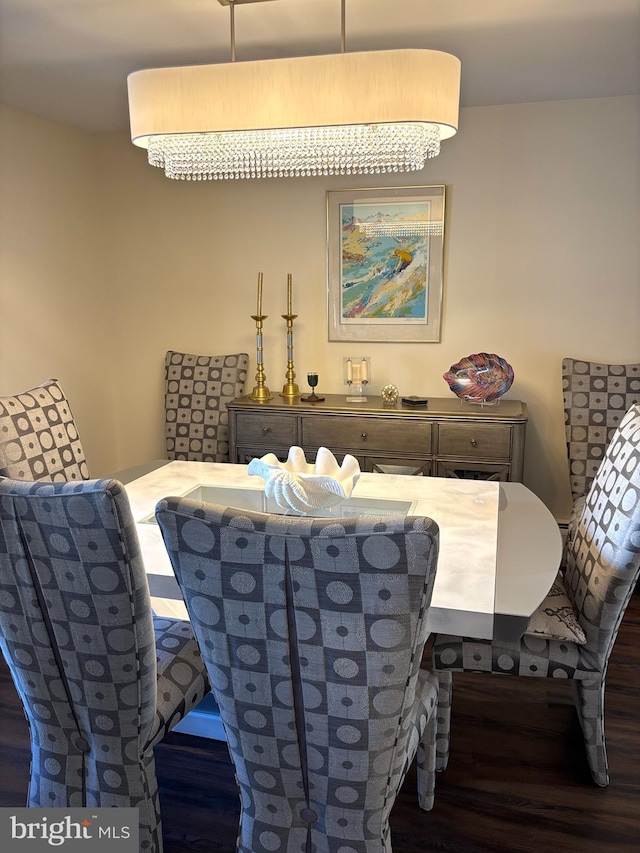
x=517, y=781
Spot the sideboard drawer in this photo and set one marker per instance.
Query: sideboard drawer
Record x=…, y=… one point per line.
x=383, y=434
x=475, y=441
x=266, y=429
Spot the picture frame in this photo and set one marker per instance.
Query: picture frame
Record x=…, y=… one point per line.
x=385, y=256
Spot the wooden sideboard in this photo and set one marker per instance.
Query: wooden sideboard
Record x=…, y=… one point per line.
x=447, y=438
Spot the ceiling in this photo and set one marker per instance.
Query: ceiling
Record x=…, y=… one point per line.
x=68, y=59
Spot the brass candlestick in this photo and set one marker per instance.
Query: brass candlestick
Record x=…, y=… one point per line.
x=290, y=388
x=260, y=392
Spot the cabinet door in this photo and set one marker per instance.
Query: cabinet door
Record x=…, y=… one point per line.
x=246, y=454
x=392, y=465
x=470, y=470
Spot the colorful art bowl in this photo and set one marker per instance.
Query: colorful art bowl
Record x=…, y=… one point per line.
x=480, y=378
x=298, y=485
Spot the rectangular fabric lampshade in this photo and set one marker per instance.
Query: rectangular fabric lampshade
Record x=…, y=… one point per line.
x=412, y=93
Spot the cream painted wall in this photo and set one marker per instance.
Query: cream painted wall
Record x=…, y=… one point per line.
x=542, y=261
x=55, y=300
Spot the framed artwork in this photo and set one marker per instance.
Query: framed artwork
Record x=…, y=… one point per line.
x=384, y=264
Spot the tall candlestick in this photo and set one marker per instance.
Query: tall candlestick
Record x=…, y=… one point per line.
x=261, y=391
x=290, y=389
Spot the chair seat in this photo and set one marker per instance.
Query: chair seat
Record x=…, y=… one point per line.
x=182, y=681
x=555, y=618
x=532, y=655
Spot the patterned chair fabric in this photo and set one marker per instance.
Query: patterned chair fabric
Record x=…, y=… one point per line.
x=38, y=437
x=101, y=680
x=198, y=388
x=600, y=569
x=596, y=397
x=312, y=631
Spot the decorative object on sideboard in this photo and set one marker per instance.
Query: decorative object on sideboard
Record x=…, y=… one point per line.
x=414, y=400
x=389, y=395
x=301, y=486
x=290, y=388
x=385, y=264
x=260, y=391
x=312, y=379
x=357, y=375
x=259, y=119
x=480, y=378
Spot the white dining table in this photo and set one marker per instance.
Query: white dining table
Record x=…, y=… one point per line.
x=500, y=547
x=499, y=552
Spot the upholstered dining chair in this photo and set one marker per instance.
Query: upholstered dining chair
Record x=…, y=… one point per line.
x=101, y=680
x=312, y=631
x=197, y=390
x=596, y=397
x=572, y=633
x=38, y=436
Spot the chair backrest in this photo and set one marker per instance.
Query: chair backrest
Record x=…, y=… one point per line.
x=76, y=631
x=38, y=436
x=312, y=631
x=602, y=555
x=596, y=396
x=197, y=390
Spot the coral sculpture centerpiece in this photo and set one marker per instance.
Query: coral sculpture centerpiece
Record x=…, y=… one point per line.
x=480, y=378
x=299, y=485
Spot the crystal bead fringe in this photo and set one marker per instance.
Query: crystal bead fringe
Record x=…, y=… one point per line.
x=295, y=152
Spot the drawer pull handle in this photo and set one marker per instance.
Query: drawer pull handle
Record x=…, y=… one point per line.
x=266, y=430
x=363, y=436
x=473, y=442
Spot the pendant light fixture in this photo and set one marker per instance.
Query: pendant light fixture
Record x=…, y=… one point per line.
x=338, y=114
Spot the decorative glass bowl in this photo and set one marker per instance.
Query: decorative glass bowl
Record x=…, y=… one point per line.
x=299, y=485
x=480, y=378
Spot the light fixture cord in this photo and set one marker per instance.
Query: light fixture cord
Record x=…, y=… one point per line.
x=232, y=22
x=343, y=27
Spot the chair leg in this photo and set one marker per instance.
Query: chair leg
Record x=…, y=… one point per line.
x=588, y=696
x=426, y=765
x=445, y=685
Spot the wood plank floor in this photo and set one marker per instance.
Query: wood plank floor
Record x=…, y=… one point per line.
x=517, y=781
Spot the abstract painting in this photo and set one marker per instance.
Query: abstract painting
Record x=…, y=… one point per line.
x=384, y=263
